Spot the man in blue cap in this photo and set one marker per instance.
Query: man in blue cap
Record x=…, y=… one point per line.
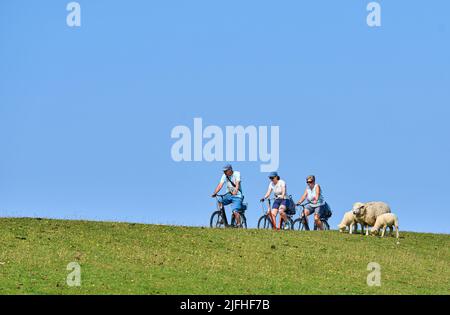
x=234, y=196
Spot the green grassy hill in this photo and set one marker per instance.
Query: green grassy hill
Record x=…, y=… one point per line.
x=146, y=259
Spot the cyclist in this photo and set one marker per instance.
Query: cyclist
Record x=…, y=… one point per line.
x=234, y=196
x=282, y=202
x=316, y=202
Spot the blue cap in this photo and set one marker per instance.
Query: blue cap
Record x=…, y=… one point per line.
x=227, y=167
x=273, y=174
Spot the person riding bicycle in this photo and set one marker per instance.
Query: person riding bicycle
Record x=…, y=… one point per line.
x=235, y=197
x=316, y=201
x=282, y=202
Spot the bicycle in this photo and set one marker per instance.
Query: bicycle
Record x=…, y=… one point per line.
x=219, y=218
x=301, y=223
x=265, y=221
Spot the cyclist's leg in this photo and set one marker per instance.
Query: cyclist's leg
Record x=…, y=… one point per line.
x=285, y=212
x=283, y=216
x=237, y=206
x=224, y=200
x=275, y=208
x=308, y=211
x=317, y=218
x=273, y=217
x=237, y=217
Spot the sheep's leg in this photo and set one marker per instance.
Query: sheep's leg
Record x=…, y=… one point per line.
x=351, y=228
x=397, y=232
x=367, y=230
x=384, y=231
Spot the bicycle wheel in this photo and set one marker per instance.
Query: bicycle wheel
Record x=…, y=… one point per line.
x=300, y=225
x=325, y=226
x=289, y=225
x=265, y=223
x=243, y=222
x=217, y=220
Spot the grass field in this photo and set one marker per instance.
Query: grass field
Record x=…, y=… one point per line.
x=127, y=258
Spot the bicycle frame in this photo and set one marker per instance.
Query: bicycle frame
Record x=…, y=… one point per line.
x=221, y=208
x=303, y=218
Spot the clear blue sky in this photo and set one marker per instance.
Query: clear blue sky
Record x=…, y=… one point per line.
x=86, y=113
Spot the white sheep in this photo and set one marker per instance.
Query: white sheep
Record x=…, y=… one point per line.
x=366, y=214
x=384, y=221
x=349, y=221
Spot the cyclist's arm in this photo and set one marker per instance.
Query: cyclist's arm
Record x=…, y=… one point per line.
x=269, y=191
x=316, y=199
x=236, y=190
x=218, y=188
x=305, y=194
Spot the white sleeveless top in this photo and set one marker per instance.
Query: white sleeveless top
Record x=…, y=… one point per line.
x=312, y=195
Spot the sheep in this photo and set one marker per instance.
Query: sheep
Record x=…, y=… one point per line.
x=366, y=214
x=386, y=220
x=349, y=221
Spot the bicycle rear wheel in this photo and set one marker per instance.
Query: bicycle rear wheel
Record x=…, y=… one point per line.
x=243, y=222
x=217, y=220
x=265, y=223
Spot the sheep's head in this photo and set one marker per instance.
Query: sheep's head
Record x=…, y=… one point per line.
x=342, y=227
x=359, y=209
x=374, y=231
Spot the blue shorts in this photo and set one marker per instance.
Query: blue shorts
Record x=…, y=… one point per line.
x=236, y=202
x=282, y=202
x=312, y=208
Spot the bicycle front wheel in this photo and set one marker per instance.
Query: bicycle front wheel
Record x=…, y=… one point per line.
x=265, y=223
x=299, y=225
x=217, y=220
